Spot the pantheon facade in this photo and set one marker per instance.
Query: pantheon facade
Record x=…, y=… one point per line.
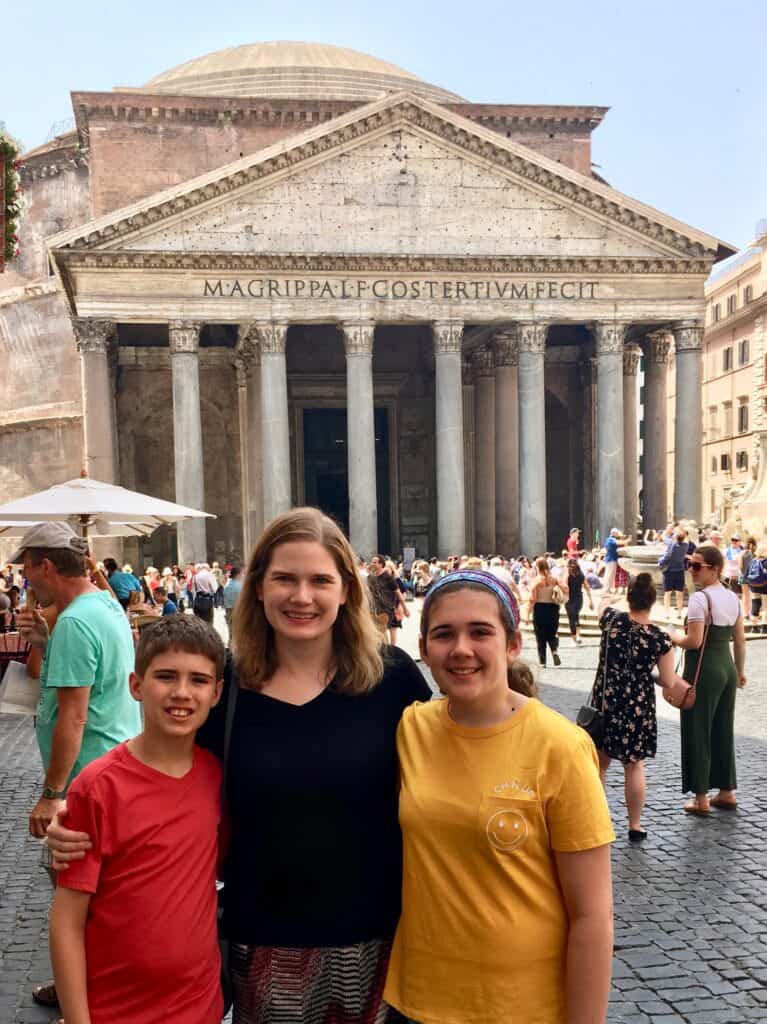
x=288, y=273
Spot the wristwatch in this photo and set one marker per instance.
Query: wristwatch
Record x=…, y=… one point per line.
x=54, y=794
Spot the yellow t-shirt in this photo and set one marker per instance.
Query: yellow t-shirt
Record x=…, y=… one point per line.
x=483, y=933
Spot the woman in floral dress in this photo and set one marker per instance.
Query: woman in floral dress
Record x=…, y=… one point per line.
x=631, y=648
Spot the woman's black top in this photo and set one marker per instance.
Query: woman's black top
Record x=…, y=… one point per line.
x=575, y=583
x=316, y=853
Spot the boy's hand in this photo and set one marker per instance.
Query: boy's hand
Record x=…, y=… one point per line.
x=41, y=816
x=64, y=844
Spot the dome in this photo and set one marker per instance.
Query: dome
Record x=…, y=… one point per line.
x=284, y=70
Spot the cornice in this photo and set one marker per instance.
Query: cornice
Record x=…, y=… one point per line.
x=28, y=292
x=310, y=263
x=49, y=165
x=389, y=113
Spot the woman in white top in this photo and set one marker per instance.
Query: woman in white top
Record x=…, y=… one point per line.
x=708, y=740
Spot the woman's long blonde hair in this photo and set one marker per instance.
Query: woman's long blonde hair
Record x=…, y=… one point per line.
x=356, y=638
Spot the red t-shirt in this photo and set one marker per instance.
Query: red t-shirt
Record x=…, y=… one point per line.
x=150, y=937
x=572, y=545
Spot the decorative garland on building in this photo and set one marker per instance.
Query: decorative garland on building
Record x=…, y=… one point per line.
x=9, y=153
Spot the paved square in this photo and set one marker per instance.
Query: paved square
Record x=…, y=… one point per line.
x=690, y=904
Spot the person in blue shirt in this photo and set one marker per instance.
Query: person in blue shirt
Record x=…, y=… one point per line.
x=122, y=583
x=232, y=590
x=168, y=605
x=611, y=558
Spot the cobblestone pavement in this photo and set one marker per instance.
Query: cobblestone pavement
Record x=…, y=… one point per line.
x=690, y=904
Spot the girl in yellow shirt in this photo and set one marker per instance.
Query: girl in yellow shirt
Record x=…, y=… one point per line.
x=507, y=896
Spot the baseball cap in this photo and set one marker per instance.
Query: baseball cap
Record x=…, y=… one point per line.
x=49, y=535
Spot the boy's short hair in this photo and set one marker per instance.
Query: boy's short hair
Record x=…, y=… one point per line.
x=187, y=633
x=160, y=592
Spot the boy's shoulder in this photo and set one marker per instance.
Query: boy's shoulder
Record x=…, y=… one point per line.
x=97, y=772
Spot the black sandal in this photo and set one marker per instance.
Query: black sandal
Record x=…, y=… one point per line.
x=637, y=835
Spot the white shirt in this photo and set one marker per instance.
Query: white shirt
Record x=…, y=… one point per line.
x=725, y=606
x=205, y=582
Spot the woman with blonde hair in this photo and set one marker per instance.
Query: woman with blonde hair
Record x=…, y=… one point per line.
x=313, y=871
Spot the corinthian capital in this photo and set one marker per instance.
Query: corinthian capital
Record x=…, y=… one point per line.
x=532, y=336
x=184, y=336
x=93, y=335
x=631, y=356
x=273, y=336
x=506, y=347
x=248, y=346
x=609, y=336
x=358, y=337
x=483, y=361
x=688, y=334
x=448, y=335
x=658, y=346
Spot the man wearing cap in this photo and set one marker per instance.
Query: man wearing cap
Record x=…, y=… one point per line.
x=85, y=707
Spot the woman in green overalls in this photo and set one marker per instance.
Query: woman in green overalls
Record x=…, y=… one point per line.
x=708, y=739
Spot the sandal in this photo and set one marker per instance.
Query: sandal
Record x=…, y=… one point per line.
x=696, y=808
x=723, y=805
x=45, y=995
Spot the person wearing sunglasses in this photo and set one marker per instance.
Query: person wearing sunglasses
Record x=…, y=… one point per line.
x=707, y=728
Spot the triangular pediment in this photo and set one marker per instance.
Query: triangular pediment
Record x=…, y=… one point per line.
x=398, y=177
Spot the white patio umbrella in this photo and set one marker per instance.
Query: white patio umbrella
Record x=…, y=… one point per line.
x=102, y=508
x=97, y=527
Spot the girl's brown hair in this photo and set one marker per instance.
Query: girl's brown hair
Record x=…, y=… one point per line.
x=519, y=676
x=356, y=638
x=712, y=556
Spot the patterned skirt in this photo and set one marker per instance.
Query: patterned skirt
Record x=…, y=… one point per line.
x=331, y=985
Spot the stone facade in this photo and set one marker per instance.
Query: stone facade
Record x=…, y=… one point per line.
x=411, y=313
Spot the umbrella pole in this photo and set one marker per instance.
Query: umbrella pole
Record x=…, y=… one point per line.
x=84, y=527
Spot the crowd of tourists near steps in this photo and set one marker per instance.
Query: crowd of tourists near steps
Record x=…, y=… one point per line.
x=386, y=856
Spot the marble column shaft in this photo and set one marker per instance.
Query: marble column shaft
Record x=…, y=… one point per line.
x=184, y=338
x=688, y=425
x=610, y=456
x=248, y=370
x=483, y=364
x=451, y=510
x=360, y=434
x=275, y=426
x=469, y=453
x=655, y=440
x=631, y=357
x=506, y=345
x=532, y=438
x=95, y=341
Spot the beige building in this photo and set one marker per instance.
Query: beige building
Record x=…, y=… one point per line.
x=289, y=273
x=734, y=392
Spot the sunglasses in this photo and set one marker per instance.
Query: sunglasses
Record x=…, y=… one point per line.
x=696, y=566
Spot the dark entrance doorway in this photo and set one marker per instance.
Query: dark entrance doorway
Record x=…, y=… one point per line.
x=326, y=479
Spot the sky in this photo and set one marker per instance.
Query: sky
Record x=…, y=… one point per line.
x=687, y=128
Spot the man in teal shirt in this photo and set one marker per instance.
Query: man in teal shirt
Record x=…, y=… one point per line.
x=86, y=707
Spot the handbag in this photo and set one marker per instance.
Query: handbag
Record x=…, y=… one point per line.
x=223, y=942
x=688, y=699
x=590, y=718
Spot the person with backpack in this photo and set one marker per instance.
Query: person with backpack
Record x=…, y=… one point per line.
x=747, y=556
x=757, y=581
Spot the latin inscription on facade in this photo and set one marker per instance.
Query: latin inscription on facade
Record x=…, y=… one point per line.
x=493, y=290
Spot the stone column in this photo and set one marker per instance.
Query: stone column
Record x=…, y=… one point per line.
x=631, y=356
x=451, y=511
x=467, y=377
x=95, y=341
x=688, y=426
x=506, y=347
x=360, y=433
x=608, y=338
x=187, y=436
x=247, y=365
x=655, y=440
x=532, y=438
x=483, y=364
x=275, y=428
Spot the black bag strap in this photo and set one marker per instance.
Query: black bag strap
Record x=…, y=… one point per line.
x=231, y=704
x=606, y=635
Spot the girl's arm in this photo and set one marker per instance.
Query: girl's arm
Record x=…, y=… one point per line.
x=67, y=941
x=692, y=639
x=586, y=883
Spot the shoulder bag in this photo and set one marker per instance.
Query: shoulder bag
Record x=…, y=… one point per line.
x=590, y=718
x=688, y=699
x=223, y=942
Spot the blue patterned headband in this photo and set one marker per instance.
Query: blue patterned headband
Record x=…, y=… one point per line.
x=485, y=579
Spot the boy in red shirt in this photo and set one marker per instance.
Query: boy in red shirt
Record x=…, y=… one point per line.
x=133, y=924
